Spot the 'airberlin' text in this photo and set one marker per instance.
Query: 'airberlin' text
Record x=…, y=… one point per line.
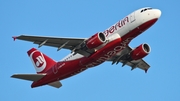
x=116, y=26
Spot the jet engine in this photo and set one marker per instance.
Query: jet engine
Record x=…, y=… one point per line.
x=140, y=52
x=96, y=40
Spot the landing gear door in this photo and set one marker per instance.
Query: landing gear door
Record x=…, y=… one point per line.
x=132, y=17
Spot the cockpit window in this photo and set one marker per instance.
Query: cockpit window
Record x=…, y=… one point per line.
x=145, y=9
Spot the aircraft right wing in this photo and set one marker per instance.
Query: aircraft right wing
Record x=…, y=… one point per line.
x=59, y=42
x=73, y=44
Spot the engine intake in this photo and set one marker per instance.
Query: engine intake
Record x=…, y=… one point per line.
x=140, y=52
x=96, y=40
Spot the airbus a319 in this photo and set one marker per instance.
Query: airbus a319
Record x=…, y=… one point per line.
x=109, y=45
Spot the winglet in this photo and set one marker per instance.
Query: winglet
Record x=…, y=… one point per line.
x=146, y=70
x=14, y=38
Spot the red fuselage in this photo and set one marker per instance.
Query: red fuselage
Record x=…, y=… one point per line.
x=65, y=69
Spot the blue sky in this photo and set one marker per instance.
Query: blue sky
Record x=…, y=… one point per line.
x=70, y=18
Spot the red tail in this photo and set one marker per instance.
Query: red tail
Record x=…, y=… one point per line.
x=41, y=62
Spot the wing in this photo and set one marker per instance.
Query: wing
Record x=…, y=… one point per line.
x=134, y=63
x=59, y=42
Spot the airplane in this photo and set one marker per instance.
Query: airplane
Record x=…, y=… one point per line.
x=109, y=45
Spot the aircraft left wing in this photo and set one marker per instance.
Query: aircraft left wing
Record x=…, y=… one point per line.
x=59, y=42
x=133, y=64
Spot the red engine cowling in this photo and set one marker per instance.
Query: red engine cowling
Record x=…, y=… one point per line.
x=96, y=40
x=140, y=51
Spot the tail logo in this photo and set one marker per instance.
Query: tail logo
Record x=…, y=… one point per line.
x=38, y=60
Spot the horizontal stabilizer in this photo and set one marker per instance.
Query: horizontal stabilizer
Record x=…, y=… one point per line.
x=55, y=84
x=30, y=77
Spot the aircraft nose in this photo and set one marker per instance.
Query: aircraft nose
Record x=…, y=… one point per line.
x=157, y=13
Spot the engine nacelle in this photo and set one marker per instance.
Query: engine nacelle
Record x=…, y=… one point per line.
x=96, y=40
x=140, y=52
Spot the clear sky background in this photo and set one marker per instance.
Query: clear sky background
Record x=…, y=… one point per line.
x=80, y=18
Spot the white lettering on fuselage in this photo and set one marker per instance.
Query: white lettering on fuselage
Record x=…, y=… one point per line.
x=106, y=56
x=109, y=54
x=116, y=26
x=78, y=71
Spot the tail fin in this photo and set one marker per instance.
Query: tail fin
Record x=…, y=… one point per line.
x=41, y=62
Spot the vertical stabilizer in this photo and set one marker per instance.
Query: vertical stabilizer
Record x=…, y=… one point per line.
x=41, y=62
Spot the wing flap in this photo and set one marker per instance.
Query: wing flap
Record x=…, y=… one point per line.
x=30, y=77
